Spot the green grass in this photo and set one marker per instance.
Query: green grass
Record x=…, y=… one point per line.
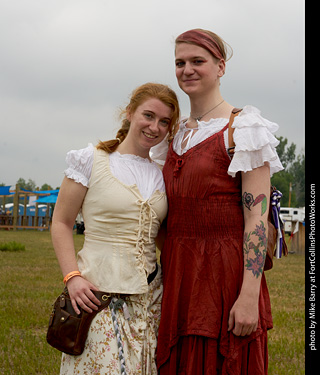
x=12, y=246
x=286, y=283
x=30, y=281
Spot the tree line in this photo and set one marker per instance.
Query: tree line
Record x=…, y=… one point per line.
x=292, y=177
x=32, y=186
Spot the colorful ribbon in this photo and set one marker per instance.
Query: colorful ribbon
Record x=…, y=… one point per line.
x=275, y=203
x=115, y=305
x=201, y=39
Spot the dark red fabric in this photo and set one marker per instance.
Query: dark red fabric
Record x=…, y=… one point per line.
x=198, y=355
x=202, y=259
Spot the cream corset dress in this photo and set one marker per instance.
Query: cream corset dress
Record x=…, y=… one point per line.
x=122, y=211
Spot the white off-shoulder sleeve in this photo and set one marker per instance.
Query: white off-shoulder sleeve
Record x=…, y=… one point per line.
x=80, y=165
x=255, y=142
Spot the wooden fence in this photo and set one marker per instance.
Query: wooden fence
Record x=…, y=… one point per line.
x=14, y=221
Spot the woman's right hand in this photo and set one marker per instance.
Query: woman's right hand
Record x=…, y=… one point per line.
x=80, y=291
x=69, y=202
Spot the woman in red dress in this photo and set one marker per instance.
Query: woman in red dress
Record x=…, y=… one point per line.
x=215, y=308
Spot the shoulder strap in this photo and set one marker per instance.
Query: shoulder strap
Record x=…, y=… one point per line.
x=231, y=147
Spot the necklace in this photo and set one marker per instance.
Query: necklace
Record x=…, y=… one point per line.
x=200, y=117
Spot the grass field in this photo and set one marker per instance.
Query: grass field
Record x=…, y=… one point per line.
x=30, y=281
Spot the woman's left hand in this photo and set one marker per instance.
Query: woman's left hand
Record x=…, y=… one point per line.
x=244, y=316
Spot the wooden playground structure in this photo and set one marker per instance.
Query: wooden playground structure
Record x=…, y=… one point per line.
x=13, y=220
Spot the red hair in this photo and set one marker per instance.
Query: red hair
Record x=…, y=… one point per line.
x=144, y=92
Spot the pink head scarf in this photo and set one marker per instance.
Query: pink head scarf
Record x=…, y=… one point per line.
x=202, y=40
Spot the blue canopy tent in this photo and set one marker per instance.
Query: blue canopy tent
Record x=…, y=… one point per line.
x=56, y=191
x=4, y=190
x=52, y=198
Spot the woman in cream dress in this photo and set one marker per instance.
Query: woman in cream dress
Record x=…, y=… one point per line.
x=122, y=196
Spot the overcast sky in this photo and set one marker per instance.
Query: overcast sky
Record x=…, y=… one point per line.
x=67, y=66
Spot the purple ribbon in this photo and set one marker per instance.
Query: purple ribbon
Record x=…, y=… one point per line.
x=275, y=203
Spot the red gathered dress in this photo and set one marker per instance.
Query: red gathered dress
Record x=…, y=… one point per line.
x=202, y=263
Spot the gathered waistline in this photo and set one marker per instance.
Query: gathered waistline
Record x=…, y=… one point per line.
x=150, y=278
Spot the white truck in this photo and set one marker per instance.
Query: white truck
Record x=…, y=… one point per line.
x=291, y=215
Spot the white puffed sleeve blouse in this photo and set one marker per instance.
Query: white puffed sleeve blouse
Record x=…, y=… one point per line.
x=129, y=169
x=253, y=136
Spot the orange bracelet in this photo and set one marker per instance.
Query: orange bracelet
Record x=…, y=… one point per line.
x=70, y=275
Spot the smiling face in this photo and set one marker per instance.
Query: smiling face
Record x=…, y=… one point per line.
x=149, y=124
x=197, y=71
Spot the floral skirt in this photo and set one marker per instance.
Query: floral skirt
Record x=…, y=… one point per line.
x=139, y=338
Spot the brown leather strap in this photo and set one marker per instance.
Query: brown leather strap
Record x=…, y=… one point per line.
x=231, y=147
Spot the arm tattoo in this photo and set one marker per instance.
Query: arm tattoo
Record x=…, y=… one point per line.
x=257, y=249
x=248, y=201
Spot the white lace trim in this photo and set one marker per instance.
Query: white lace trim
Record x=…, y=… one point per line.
x=131, y=157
